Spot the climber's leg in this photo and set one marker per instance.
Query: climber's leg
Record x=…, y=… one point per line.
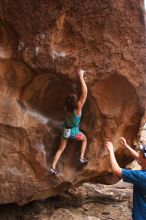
x=58, y=154
x=81, y=137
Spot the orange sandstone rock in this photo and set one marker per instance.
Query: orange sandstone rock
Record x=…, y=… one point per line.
x=43, y=44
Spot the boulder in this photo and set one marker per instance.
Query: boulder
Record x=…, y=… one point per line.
x=43, y=45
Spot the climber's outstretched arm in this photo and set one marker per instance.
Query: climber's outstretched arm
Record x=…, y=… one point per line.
x=115, y=166
x=83, y=94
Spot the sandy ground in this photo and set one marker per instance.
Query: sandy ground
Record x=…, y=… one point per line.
x=97, y=202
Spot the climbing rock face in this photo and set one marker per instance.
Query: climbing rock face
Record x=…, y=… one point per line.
x=43, y=45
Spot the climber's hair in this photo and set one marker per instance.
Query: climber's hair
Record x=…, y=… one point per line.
x=70, y=103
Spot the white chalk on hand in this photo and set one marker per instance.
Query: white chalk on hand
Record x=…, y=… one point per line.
x=81, y=71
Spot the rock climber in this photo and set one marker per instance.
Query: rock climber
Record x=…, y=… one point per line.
x=73, y=113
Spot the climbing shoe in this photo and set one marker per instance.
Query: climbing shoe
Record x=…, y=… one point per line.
x=53, y=171
x=83, y=161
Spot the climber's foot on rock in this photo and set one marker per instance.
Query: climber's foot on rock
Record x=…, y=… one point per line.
x=53, y=171
x=83, y=161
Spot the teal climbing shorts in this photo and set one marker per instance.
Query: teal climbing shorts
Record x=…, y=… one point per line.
x=74, y=133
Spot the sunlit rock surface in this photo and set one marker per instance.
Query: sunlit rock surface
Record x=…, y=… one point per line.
x=43, y=44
